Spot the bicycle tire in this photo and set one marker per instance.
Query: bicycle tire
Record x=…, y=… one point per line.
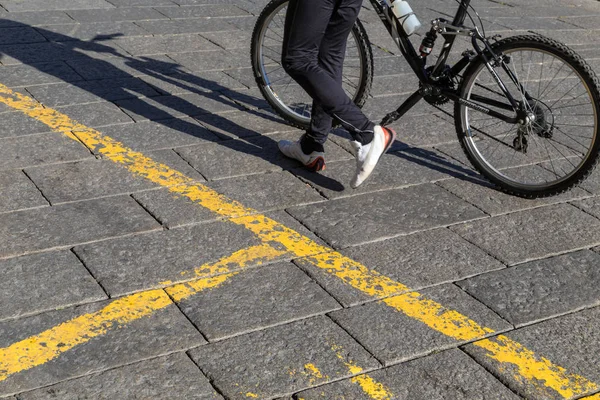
x=587, y=78
x=366, y=66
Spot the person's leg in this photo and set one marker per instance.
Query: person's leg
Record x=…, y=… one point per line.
x=331, y=58
x=307, y=25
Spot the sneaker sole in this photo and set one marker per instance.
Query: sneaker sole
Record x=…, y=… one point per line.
x=317, y=165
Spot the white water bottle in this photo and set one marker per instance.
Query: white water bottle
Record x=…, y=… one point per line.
x=406, y=16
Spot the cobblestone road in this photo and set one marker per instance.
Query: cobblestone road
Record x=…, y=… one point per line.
x=154, y=244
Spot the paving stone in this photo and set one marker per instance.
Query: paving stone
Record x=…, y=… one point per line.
x=165, y=44
x=447, y=375
x=572, y=341
x=529, y=22
x=529, y=235
x=278, y=361
x=257, y=299
x=170, y=376
x=172, y=160
x=481, y=193
x=243, y=124
x=265, y=192
x=378, y=107
x=18, y=192
x=176, y=27
x=417, y=261
x=166, y=133
x=66, y=225
x=168, y=107
x=91, y=31
x=116, y=15
x=393, y=337
x=197, y=82
x=31, y=150
x=142, y=3
x=130, y=264
x=211, y=60
x=53, y=51
x=39, y=5
x=591, y=206
x=38, y=74
x=86, y=180
x=96, y=114
x=18, y=124
x=233, y=40
x=425, y=130
x=20, y=35
x=369, y=217
x=204, y=11
x=162, y=332
x=91, y=92
x=92, y=69
x=260, y=155
x=393, y=85
x=243, y=75
x=540, y=289
x=251, y=99
x=244, y=23
x=46, y=281
x=33, y=18
x=588, y=22
x=395, y=170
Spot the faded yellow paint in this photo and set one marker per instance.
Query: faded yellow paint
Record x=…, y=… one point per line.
x=184, y=290
x=313, y=373
x=529, y=366
x=254, y=255
x=449, y=322
x=216, y=273
x=375, y=390
x=369, y=386
x=281, y=239
x=313, y=370
x=46, y=346
x=252, y=395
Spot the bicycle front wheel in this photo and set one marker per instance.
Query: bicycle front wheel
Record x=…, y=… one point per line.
x=555, y=145
x=286, y=97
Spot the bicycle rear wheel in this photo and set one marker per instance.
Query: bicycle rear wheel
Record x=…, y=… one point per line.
x=557, y=145
x=286, y=97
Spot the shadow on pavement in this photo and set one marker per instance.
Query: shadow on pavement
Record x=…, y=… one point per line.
x=162, y=109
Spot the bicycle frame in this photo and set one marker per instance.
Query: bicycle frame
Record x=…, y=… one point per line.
x=418, y=63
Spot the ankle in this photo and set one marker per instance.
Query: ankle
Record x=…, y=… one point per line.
x=309, y=145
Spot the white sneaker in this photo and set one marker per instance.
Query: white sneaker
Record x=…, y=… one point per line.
x=368, y=155
x=314, y=161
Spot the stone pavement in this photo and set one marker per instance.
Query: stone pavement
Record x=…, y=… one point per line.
x=154, y=244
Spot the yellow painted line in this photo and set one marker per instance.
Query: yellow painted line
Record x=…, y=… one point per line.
x=46, y=346
x=240, y=259
x=375, y=390
x=282, y=238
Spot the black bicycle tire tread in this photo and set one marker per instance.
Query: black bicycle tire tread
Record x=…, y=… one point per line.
x=362, y=37
x=586, y=71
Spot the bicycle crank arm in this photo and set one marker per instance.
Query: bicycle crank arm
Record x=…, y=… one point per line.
x=403, y=109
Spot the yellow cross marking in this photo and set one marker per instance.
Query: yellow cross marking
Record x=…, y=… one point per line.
x=277, y=239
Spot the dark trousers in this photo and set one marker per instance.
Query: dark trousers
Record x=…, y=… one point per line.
x=314, y=47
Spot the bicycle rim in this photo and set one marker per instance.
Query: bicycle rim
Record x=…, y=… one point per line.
x=280, y=89
x=556, y=141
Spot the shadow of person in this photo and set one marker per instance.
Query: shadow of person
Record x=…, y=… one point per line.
x=99, y=61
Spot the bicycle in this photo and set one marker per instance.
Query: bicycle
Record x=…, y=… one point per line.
x=526, y=108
